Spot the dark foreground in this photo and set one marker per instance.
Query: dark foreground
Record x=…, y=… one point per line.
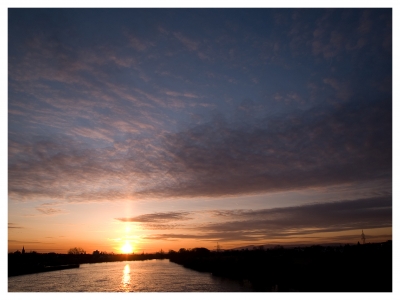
x=358, y=268
x=29, y=263
x=39, y=268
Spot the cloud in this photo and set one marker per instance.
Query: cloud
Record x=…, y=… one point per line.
x=324, y=217
x=138, y=44
x=365, y=23
x=158, y=217
x=343, y=91
x=188, y=43
x=14, y=226
x=84, y=125
x=174, y=237
x=178, y=94
x=97, y=133
x=318, y=148
x=331, y=48
x=77, y=96
x=28, y=242
x=290, y=222
x=346, y=144
x=48, y=209
x=340, y=31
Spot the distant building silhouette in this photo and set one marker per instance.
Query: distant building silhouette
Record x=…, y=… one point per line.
x=23, y=250
x=363, y=236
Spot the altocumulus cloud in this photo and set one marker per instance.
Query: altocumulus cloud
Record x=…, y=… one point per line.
x=88, y=122
x=315, y=148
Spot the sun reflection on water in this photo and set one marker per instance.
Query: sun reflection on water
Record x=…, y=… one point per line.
x=126, y=278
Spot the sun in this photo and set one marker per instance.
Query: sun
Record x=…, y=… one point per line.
x=127, y=248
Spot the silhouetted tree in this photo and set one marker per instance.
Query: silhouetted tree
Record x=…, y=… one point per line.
x=201, y=250
x=76, y=250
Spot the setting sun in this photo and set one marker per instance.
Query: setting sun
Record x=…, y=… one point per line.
x=127, y=248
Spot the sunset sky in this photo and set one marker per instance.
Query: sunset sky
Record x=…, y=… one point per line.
x=149, y=129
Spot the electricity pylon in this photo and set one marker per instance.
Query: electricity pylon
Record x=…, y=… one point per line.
x=363, y=236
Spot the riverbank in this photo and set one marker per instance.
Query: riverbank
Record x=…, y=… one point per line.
x=40, y=269
x=358, y=268
x=29, y=263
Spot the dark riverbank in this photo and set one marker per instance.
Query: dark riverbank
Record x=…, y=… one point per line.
x=32, y=269
x=358, y=268
x=28, y=263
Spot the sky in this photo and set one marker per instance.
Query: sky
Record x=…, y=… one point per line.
x=148, y=129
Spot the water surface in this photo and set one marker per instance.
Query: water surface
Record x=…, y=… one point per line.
x=127, y=276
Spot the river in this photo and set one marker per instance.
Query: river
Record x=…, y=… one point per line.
x=126, y=276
